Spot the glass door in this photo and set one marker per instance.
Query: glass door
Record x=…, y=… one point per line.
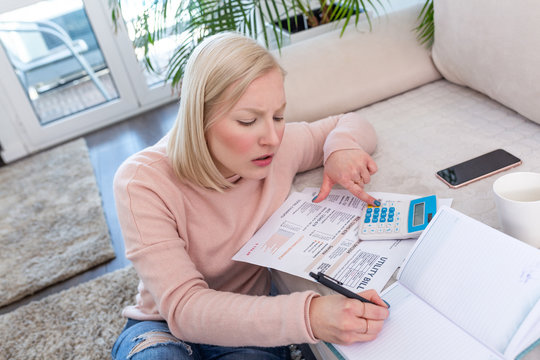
x=64, y=71
x=152, y=85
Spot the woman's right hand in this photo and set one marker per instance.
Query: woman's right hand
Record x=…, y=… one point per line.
x=340, y=320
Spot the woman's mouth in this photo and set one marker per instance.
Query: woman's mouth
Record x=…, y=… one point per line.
x=264, y=160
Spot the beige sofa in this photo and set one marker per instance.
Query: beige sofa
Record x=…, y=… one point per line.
x=474, y=92
x=478, y=89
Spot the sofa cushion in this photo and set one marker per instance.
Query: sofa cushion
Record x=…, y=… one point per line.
x=328, y=75
x=437, y=125
x=493, y=48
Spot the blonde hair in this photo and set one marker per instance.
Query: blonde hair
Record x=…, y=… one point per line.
x=216, y=76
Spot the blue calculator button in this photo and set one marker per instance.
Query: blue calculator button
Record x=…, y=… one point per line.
x=366, y=220
x=383, y=219
x=369, y=210
x=375, y=219
x=392, y=209
x=384, y=210
x=390, y=218
x=377, y=210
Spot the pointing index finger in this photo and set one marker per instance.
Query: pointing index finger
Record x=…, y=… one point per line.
x=359, y=192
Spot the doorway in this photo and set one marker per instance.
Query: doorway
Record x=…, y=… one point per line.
x=66, y=70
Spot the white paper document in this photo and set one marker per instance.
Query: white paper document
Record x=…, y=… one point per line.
x=465, y=291
x=302, y=236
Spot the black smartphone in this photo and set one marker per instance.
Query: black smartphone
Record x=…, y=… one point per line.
x=478, y=168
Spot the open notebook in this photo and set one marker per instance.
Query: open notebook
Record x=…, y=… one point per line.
x=465, y=291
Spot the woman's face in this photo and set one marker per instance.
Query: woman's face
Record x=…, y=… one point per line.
x=244, y=140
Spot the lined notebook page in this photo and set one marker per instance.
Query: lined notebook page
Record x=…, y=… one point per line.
x=415, y=331
x=483, y=280
x=527, y=335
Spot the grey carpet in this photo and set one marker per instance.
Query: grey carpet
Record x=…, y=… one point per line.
x=51, y=221
x=79, y=323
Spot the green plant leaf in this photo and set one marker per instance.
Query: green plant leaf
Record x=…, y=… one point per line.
x=193, y=20
x=425, y=31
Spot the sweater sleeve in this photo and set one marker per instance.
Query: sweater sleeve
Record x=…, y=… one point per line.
x=193, y=311
x=351, y=132
x=316, y=141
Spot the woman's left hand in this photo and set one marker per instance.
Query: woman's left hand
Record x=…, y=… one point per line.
x=352, y=169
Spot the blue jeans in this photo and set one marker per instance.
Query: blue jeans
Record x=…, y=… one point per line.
x=142, y=340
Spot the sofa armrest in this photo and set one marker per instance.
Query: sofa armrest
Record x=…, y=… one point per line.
x=329, y=75
x=492, y=48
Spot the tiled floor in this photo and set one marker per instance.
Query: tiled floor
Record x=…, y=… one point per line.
x=71, y=98
x=78, y=95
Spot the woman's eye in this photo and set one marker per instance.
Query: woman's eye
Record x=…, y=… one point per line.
x=278, y=118
x=247, y=122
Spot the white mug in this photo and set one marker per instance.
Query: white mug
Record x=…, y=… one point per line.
x=517, y=196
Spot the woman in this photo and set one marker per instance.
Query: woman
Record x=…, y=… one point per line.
x=187, y=204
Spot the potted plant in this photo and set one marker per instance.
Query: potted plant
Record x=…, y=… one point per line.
x=268, y=20
x=322, y=18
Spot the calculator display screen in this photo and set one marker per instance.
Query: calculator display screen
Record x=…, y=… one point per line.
x=418, y=216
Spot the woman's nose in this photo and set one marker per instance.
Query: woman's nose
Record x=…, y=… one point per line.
x=271, y=135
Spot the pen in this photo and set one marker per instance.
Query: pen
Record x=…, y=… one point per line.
x=336, y=286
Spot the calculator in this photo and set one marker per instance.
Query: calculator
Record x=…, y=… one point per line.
x=394, y=220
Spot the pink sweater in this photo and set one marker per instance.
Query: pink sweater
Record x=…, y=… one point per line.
x=181, y=238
